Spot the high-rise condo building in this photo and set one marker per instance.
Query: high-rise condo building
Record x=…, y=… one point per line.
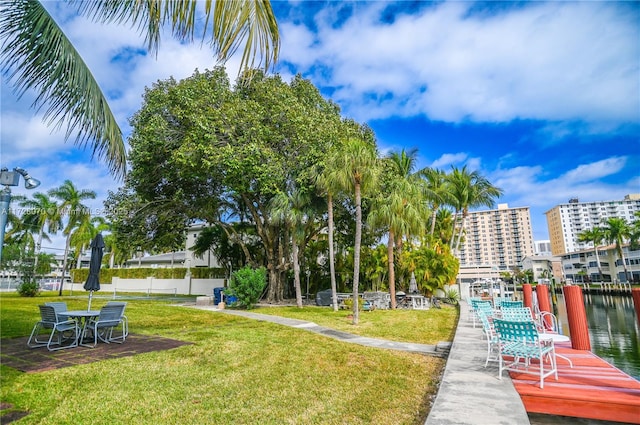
x=567, y=221
x=499, y=238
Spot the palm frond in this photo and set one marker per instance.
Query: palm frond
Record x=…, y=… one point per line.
x=36, y=55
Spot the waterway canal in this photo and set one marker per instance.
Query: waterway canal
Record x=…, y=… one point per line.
x=613, y=330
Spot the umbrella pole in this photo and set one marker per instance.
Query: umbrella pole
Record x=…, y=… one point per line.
x=90, y=296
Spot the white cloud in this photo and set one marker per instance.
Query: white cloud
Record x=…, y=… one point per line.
x=546, y=61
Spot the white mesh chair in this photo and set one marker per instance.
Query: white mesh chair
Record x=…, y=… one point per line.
x=493, y=349
x=520, y=314
x=105, y=326
x=64, y=330
x=520, y=342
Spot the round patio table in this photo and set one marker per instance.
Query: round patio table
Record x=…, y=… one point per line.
x=82, y=317
x=556, y=338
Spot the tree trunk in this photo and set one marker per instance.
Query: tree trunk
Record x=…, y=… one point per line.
x=332, y=264
x=598, y=262
x=356, y=255
x=38, y=246
x=64, y=262
x=392, y=270
x=296, y=274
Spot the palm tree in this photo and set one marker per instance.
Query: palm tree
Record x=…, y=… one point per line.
x=71, y=199
x=36, y=54
x=328, y=182
x=398, y=207
x=293, y=209
x=83, y=234
x=42, y=212
x=616, y=230
x=595, y=236
x=436, y=191
x=357, y=168
x=470, y=190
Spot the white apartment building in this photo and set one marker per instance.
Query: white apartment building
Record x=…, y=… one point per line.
x=499, y=238
x=582, y=266
x=566, y=221
x=542, y=247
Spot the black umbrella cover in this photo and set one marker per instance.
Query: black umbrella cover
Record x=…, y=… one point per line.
x=97, y=247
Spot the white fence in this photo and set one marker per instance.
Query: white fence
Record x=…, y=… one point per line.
x=151, y=285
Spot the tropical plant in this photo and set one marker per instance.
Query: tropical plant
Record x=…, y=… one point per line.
x=49, y=64
x=436, y=192
x=398, y=207
x=28, y=289
x=358, y=169
x=451, y=296
x=42, y=212
x=594, y=235
x=616, y=230
x=293, y=209
x=71, y=205
x=247, y=285
x=469, y=190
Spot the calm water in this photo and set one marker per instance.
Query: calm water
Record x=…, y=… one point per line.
x=613, y=330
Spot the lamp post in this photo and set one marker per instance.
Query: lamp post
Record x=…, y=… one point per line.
x=8, y=179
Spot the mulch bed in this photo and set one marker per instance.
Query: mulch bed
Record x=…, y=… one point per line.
x=15, y=353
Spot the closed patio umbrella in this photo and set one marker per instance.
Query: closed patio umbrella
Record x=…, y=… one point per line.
x=93, y=280
x=413, y=285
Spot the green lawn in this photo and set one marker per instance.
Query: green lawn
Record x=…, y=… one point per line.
x=238, y=371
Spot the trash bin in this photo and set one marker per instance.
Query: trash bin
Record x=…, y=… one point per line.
x=217, y=295
x=231, y=300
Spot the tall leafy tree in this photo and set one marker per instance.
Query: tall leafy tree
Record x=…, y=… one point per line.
x=398, y=207
x=359, y=169
x=294, y=209
x=617, y=231
x=205, y=151
x=37, y=55
x=594, y=235
x=72, y=206
x=43, y=213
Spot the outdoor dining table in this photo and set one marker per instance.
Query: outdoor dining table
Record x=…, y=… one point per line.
x=418, y=302
x=82, y=317
x=556, y=338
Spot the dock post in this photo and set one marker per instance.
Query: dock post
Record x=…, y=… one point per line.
x=635, y=293
x=542, y=292
x=577, y=317
x=527, y=295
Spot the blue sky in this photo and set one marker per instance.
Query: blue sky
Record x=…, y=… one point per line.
x=543, y=98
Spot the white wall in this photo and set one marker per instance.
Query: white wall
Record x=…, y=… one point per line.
x=150, y=285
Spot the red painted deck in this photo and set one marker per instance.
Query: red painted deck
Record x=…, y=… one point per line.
x=592, y=389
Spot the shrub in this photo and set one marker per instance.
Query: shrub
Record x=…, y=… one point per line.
x=452, y=296
x=349, y=303
x=247, y=285
x=29, y=289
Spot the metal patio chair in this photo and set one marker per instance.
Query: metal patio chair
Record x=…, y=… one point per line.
x=49, y=322
x=58, y=306
x=104, y=327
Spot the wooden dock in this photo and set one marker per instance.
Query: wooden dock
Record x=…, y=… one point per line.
x=592, y=389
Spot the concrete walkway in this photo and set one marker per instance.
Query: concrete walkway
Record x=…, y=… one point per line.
x=469, y=393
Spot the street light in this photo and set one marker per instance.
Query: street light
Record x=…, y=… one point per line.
x=8, y=179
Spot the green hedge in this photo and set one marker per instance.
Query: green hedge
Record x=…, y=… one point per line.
x=80, y=275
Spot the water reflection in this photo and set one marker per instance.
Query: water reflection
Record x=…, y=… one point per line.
x=613, y=330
